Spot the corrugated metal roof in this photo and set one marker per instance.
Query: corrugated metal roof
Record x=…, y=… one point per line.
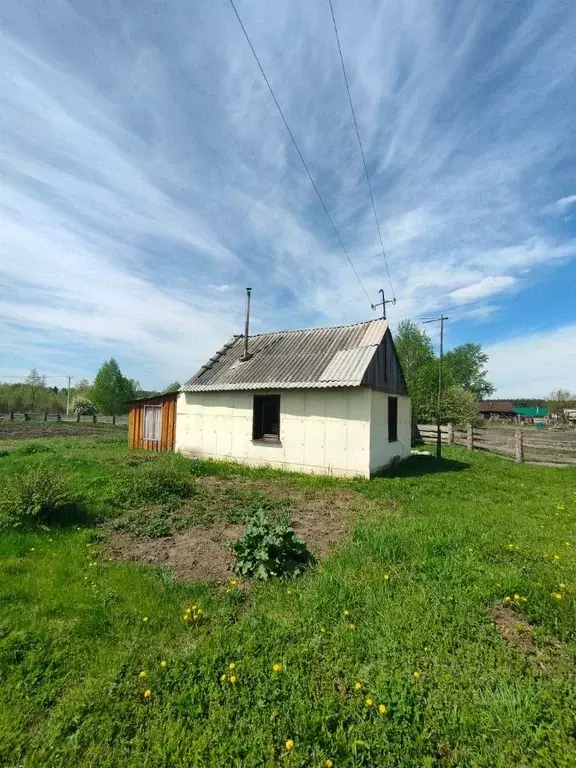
x=314, y=357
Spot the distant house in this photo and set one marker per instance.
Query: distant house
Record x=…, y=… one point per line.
x=497, y=409
x=322, y=400
x=570, y=415
x=534, y=414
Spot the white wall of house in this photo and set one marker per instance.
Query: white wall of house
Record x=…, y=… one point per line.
x=325, y=431
x=382, y=452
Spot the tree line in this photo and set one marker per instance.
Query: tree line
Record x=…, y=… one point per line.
x=110, y=393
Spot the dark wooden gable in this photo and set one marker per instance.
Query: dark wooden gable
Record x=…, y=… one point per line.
x=385, y=371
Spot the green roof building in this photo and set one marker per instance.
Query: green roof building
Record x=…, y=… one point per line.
x=532, y=411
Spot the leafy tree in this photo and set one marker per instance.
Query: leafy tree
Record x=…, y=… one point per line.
x=463, y=374
x=465, y=366
x=174, y=387
x=558, y=400
x=416, y=353
x=83, y=406
x=35, y=381
x=111, y=390
x=459, y=406
x=83, y=385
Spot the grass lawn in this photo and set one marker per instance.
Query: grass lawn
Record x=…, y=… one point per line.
x=410, y=613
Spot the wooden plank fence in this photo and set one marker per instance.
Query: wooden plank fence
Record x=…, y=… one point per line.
x=45, y=416
x=540, y=446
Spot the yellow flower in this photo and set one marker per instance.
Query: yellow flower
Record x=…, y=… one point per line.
x=357, y=686
x=145, y=619
x=233, y=582
x=560, y=508
x=289, y=745
x=557, y=595
x=562, y=585
x=163, y=664
x=369, y=702
x=233, y=679
x=322, y=630
x=507, y=599
x=232, y=665
x=516, y=597
x=382, y=709
x=143, y=675
x=556, y=557
x=199, y=612
x=386, y=576
x=186, y=617
x=351, y=626
x=188, y=611
x=346, y=612
x=223, y=678
x=416, y=675
x=147, y=693
x=328, y=763
x=32, y=549
x=277, y=667
x=567, y=543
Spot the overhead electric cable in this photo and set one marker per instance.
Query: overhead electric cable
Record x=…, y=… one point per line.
x=278, y=107
x=361, y=147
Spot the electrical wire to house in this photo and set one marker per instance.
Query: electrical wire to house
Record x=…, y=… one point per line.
x=353, y=111
x=297, y=148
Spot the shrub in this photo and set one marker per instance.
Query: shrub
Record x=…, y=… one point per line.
x=83, y=406
x=268, y=549
x=39, y=496
x=155, y=483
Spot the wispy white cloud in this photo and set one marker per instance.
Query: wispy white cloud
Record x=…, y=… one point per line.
x=534, y=364
x=146, y=177
x=561, y=205
x=487, y=286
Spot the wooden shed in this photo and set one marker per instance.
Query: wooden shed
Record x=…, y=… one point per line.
x=152, y=424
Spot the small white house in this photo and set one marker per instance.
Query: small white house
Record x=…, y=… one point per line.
x=320, y=400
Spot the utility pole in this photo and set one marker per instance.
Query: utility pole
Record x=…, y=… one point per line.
x=383, y=303
x=439, y=417
x=69, y=377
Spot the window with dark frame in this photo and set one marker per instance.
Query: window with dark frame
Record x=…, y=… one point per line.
x=266, y=418
x=392, y=419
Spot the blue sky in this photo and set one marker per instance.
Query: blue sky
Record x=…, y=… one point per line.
x=146, y=178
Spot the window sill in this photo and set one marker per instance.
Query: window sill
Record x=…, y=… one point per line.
x=265, y=441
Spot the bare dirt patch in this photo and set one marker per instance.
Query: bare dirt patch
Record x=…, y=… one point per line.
x=7, y=430
x=321, y=517
x=520, y=634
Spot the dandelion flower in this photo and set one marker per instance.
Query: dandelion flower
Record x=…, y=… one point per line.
x=522, y=485
x=143, y=674
x=289, y=745
x=148, y=693
x=516, y=597
x=386, y=576
x=233, y=582
x=328, y=763
x=416, y=675
x=145, y=619
x=567, y=543
x=32, y=549
x=562, y=585
x=382, y=709
x=233, y=679
x=560, y=508
x=223, y=678
x=369, y=702
x=232, y=665
x=322, y=630
x=507, y=599
x=346, y=612
x=556, y=557
x=357, y=686
x=163, y=664
x=186, y=617
x=557, y=595
x=277, y=667
x=351, y=626
x=188, y=611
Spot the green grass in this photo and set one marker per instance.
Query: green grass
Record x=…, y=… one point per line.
x=73, y=639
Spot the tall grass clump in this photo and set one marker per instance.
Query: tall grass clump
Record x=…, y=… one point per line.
x=38, y=496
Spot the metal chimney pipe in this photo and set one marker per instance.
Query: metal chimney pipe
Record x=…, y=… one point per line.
x=246, y=356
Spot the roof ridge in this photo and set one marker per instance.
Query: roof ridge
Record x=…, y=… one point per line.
x=317, y=328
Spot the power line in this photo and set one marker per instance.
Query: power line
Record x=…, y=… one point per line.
x=361, y=147
x=298, y=149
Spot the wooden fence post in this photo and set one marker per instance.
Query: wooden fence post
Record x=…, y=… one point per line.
x=58, y=416
x=11, y=415
x=450, y=433
x=93, y=418
x=113, y=418
x=78, y=417
x=519, y=446
x=45, y=415
x=470, y=437
x=26, y=416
